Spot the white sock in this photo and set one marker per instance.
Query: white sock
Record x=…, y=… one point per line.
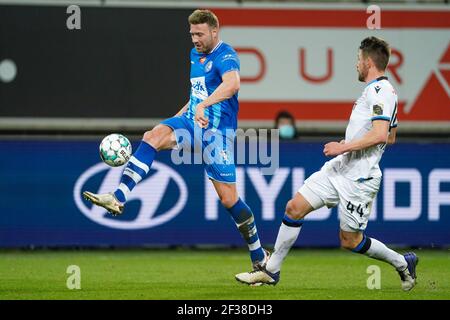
x=379, y=251
x=285, y=240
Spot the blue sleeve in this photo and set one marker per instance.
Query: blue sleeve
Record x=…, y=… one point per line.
x=228, y=62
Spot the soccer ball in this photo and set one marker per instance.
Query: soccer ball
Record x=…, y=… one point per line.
x=115, y=150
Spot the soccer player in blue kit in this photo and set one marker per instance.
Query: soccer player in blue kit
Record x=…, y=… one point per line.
x=212, y=108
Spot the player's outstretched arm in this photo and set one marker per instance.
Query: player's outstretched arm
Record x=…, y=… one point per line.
x=378, y=134
x=230, y=85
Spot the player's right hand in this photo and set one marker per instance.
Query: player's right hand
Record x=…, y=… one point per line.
x=332, y=149
x=200, y=116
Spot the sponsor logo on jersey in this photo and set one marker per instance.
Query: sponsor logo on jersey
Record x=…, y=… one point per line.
x=199, y=88
x=229, y=57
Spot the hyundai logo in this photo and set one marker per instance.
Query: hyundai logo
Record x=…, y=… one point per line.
x=149, y=191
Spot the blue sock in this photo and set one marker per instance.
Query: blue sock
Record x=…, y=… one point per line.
x=137, y=169
x=291, y=222
x=363, y=246
x=244, y=219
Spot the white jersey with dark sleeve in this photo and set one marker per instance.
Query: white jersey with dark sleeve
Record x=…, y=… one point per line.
x=377, y=102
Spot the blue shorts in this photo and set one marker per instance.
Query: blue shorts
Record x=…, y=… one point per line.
x=216, y=148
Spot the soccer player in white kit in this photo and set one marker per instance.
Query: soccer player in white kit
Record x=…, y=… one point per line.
x=352, y=179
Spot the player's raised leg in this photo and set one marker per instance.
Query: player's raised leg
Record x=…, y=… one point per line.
x=159, y=138
x=404, y=264
x=296, y=209
x=244, y=219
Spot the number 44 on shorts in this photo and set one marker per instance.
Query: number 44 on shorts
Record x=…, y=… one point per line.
x=359, y=210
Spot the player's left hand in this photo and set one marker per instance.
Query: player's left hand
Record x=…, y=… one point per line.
x=200, y=116
x=332, y=149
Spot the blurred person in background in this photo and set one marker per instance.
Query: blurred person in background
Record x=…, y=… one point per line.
x=285, y=122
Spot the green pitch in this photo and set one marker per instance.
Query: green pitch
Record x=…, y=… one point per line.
x=209, y=274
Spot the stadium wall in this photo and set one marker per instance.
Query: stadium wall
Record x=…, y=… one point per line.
x=42, y=181
x=130, y=61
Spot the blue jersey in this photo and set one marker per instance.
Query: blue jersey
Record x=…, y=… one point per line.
x=206, y=75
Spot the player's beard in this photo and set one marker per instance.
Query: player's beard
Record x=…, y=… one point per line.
x=207, y=46
x=362, y=74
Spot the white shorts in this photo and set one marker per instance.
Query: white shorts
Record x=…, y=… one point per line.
x=328, y=188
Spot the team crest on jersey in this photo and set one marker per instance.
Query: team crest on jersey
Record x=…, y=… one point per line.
x=208, y=66
x=378, y=109
x=202, y=60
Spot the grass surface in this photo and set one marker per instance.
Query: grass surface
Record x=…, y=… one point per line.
x=209, y=274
